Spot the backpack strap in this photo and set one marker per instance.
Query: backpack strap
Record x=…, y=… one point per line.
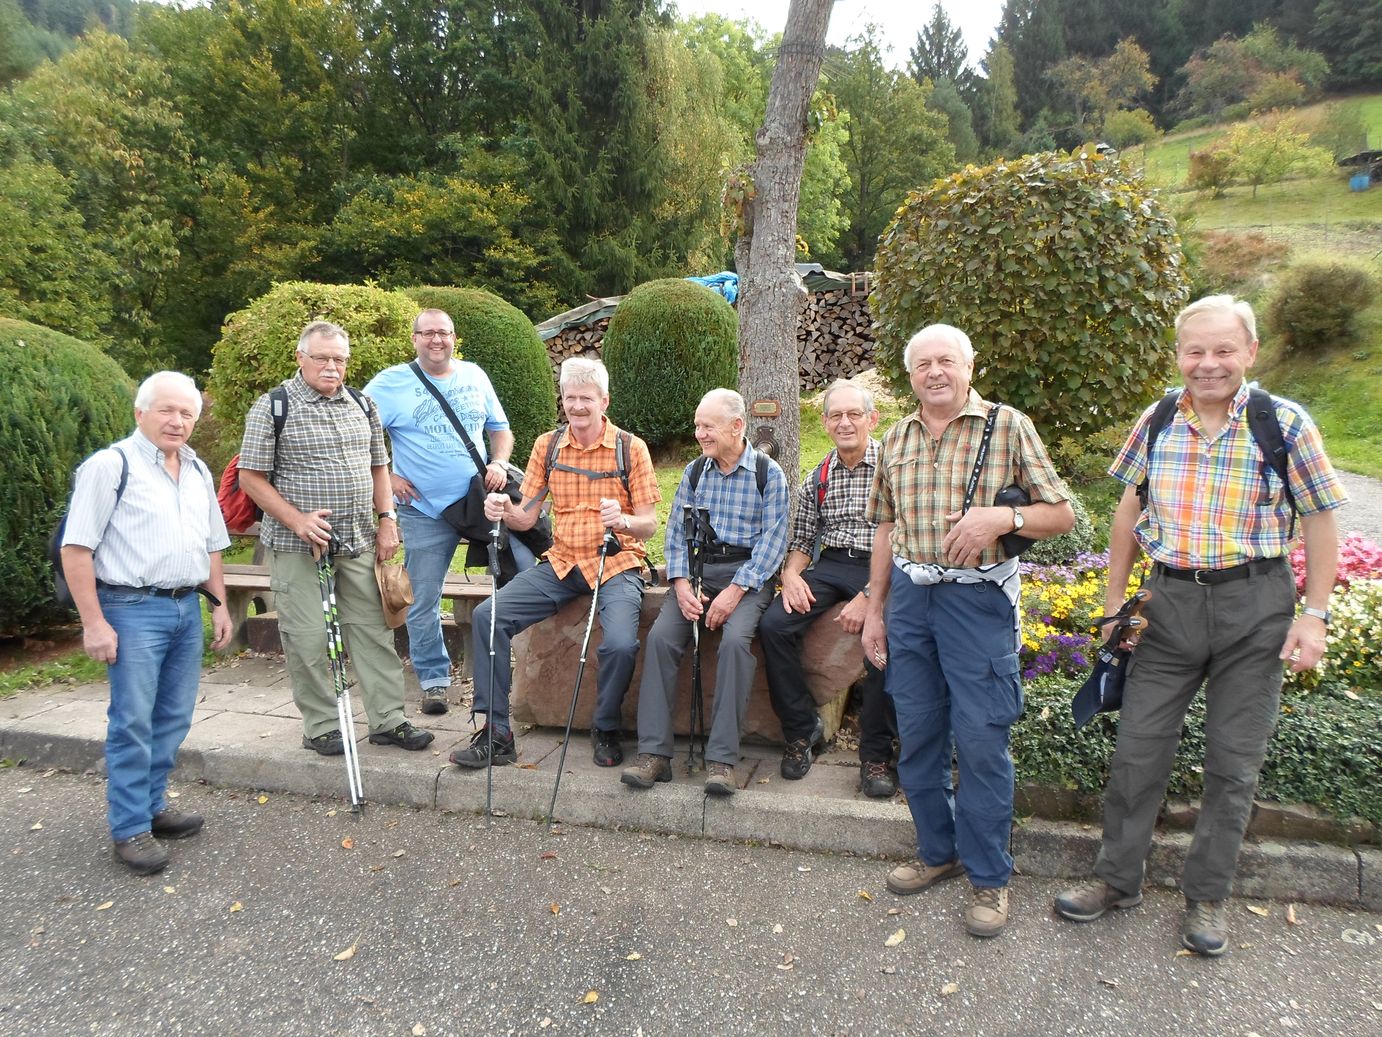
x=702, y=465
x=1161, y=417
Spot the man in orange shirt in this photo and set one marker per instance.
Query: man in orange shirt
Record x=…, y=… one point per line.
x=600, y=478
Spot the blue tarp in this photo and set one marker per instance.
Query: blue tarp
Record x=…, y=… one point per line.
x=726, y=282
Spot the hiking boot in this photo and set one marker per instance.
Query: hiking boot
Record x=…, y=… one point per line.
x=140, y=853
x=987, y=912
x=1091, y=900
x=434, y=701
x=608, y=751
x=1206, y=927
x=328, y=744
x=919, y=876
x=720, y=779
x=877, y=780
x=478, y=753
x=174, y=824
x=800, y=752
x=650, y=768
x=404, y=736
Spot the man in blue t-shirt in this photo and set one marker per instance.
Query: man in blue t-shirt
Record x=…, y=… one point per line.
x=432, y=469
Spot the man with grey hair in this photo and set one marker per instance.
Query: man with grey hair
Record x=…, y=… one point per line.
x=828, y=562
x=600, y=479
x=745, y=498
x=143, y=536
x=322, y=483
x=1206, y=503
x=432, y=469
x=943, y=614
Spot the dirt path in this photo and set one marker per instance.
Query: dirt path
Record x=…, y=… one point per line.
x=1363, y=512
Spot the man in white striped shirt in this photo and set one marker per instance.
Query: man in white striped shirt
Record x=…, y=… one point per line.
x=135, y=559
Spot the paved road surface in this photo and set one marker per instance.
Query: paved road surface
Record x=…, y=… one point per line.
x=461, y=929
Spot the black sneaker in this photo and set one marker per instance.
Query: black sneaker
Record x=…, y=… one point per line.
x=140, y=853
x=328, y=744
x=800, y=753
x=405, y=736
x=608, y=751
x=434, y=701
x=877, y=780
x=174, y=824
x=477, y=755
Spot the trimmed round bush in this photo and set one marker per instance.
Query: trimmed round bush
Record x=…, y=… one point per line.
x=1315, y=305
x=668, y=343
x=63, y=399
x=1064, y=270
x=258, y=343
x=1059, y=550
x=497, y=336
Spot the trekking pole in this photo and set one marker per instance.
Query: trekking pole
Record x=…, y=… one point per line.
x=489, y=718
x=335, y=653
x=608, y=546
x=697, y=725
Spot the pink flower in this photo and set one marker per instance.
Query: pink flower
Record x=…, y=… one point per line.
x=1359, y=559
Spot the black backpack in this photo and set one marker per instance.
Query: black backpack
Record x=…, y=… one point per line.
x=62, y=594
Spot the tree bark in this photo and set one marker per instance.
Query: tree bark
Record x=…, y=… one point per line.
x=770, y=292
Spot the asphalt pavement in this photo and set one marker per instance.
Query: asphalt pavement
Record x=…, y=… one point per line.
x=288, y=915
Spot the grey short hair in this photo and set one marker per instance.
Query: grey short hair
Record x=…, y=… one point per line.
x=323, y=329
x=1220, y=304
x=579, y=370
x=846, y=383
x=433, y=311
x=955, y=335
x=729, y=401
x=148, y=390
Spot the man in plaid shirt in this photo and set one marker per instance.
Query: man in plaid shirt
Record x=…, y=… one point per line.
x=1218, y=526
x=950, y=637
x=330, y=482
x=589, y=496
x=828, y=562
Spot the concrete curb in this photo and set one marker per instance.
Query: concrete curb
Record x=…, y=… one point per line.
x=260, y=751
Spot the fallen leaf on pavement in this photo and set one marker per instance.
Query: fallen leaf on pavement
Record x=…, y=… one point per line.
x=419, y=1030
x=555, y=908
x=1291, y=918
x=1183, y=953
x=347, y=843
x=262, y=800
x=777, y=928
x=526, y=766
x=346, y=954
x=591, y=996
x=27, y=788
x=803, y=867
x=547, y=855
x=1112, y=984
x=732, y=922
x=454, y=883
x=950, y=988
x=894, y=910
x=36, y=826
x=1258, y=909
x=399, y=853
x=237, y=906
x=173, y=795
x=895, y=938
x=376, y=867
x=106, y=906
x=170, y=889
x=888, y=970
x=633, y=956
x=865, y=895
x=544, y=1022
x=331, y=812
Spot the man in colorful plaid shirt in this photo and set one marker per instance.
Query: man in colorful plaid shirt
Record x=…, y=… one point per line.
x=589, y=496
x=949, y=639
x=1218, y=526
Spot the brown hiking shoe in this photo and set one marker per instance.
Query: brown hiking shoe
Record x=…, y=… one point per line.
x=175, y=824
x=918, y=876
x=720, y=779
x=1091, y=900
x=140, y=853
x=648, y=770
x=987, y=912
x=1206, y=927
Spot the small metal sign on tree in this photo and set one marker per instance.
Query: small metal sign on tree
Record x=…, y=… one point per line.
x=767, y=192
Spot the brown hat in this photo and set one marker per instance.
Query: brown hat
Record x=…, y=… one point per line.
x=396, y=591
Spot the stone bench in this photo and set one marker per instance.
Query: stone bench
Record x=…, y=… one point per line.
x=547, y=656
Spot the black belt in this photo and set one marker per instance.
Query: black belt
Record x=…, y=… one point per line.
x=727, y=553
x=159, y=592
x=848, y=555
x=1207, y=577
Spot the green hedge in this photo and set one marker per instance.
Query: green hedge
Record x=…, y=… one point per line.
x=668, y=344
x=62, y=400
x=258, y=343
x=1058, y=550
x=1326, y=752
x=496, y=335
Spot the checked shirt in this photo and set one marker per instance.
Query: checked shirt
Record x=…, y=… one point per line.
x=920, y=480
x=1212, y=501
x=841, y=515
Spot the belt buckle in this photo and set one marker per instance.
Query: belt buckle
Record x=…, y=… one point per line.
x=1198, y=572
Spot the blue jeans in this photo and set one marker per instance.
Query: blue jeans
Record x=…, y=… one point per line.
x=953, y=677
x=153, y=687
x=535, y=594
x=428, y=547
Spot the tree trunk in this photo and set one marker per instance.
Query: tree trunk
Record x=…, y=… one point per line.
x=770, y=292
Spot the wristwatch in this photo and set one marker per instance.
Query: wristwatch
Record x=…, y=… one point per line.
x=1321, y=614
x=866, y=591
x=1018, y=521
x=387, y=515
x=626, y=522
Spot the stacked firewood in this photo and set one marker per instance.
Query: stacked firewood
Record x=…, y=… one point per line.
x=583, y=340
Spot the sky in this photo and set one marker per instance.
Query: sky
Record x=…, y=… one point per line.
x=900, y=20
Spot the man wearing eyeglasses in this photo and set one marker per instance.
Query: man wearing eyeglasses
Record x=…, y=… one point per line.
x=828, y=562
x=432, y=469
x=322, y=481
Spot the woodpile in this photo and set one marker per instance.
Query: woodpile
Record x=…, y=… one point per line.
x=834, y=338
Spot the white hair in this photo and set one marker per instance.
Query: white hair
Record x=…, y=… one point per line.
x=955, y=335
x=728, y=401
x=579, y=370
x=1220, y=304
x=865, y=396
x=323, y=329
x=148, y=390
